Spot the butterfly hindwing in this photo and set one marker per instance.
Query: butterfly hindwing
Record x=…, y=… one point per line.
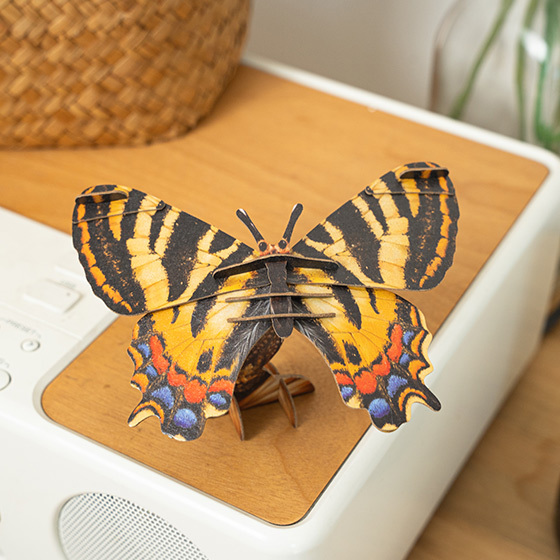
x=375, y=345
x=141, y=254
x=187, y=359
x=398, y=232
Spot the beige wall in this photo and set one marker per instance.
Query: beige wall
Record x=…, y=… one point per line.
x=384, y=46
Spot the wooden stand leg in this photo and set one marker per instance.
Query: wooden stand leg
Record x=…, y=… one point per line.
x=277, y=387
x=235, y=415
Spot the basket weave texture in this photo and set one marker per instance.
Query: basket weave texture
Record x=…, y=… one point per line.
x=98, y=72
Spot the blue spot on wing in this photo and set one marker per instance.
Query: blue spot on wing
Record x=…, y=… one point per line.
x=151, y=371
x=185, y=418
x=217, y=400
x=346, y=392
x=144, y=349
x=394, y=383
x=407, y=337
x=405, y=359
x=379, y=408
x=165, y=395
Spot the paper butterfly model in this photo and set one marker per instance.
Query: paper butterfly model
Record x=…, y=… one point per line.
x=215, y=306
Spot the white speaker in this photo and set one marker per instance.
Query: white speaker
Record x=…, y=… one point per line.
x=93, y=525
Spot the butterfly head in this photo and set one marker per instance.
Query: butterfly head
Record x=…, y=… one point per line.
x=263, y=247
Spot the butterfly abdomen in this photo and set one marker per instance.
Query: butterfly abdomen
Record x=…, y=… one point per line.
x=280, y=304
x=252, y=373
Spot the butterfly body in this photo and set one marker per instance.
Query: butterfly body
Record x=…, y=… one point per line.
x=216, y=310
x=277, y=292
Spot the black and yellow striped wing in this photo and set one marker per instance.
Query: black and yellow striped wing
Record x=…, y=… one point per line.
x=376, y=344
x=187, y=359
x=399, y=232
x=141, y=254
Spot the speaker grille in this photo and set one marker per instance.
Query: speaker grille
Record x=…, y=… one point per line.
x=97, y=526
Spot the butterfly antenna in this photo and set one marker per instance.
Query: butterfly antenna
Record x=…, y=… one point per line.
x=296, y=213
x=244, y=217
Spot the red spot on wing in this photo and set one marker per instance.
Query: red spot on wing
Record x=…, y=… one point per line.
x=395, y=350
x=383, y=368
x=160, y=362
x=366, y=382
x=176, y=379
x=343, y=379
x=221, y=385
x=194, y=391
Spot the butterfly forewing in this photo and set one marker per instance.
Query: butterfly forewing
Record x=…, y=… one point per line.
x=376, y=346
x=141, y=254
x=398, y=232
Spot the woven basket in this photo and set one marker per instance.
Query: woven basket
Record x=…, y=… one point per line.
x=91, y=72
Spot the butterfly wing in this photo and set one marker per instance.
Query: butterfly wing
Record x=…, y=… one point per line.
x=140, y=254
x=375, y=345
x=187, y=359
x=399, y=232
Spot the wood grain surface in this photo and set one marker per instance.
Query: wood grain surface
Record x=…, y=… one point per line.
x=268, y=144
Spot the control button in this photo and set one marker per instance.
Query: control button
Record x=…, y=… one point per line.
x=30, y=345
x=52, y=296
x=4, y=379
